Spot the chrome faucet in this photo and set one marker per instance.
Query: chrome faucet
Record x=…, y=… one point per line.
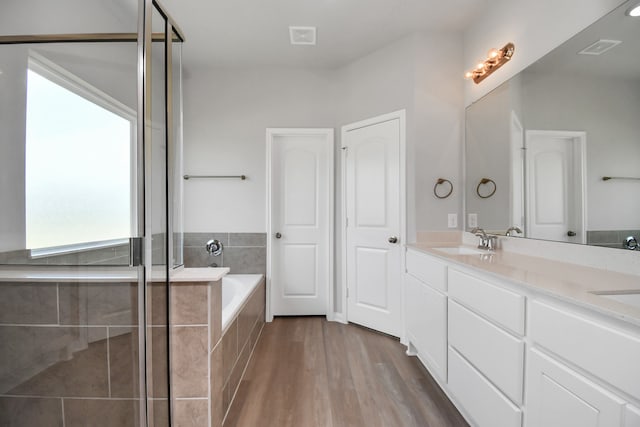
x=486, y=242
x=511, y=229
x=214, y=247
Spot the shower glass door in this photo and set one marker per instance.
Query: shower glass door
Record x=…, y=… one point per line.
x=84, y=214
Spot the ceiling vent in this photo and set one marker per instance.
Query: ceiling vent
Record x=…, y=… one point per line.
x=302, y=35
x=599, y=47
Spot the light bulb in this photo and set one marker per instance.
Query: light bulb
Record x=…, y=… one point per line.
x=468, y=75
x=634, y=11
x=480, y=66
x=493, y=53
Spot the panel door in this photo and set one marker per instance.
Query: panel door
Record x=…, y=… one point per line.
x=557, y=396
x=554, y=193
x=300, y=223
x=373, y=226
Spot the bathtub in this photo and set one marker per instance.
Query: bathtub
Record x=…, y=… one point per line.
x=236, y=288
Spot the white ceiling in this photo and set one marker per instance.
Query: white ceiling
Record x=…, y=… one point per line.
x=241, y=33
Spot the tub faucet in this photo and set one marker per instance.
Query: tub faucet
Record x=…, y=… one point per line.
x=512, y=229
x=486, y=242
x=214, y=247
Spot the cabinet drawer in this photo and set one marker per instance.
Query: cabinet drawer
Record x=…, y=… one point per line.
x=495, y=353
x=427, y=269
x=500, y=305
x=426, y=317
x=604, y=351
x=480, y=399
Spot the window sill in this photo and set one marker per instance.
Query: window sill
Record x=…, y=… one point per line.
x=71, y=249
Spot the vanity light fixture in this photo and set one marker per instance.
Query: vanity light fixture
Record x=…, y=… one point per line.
x=496, y=58
x=634, y=11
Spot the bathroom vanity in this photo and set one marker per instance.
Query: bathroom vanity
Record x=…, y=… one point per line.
x=516, y=340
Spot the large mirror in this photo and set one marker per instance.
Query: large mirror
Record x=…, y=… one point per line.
x=555, y=151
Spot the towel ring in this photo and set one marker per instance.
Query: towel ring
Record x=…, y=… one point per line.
x=486, y=181
x=439, y=182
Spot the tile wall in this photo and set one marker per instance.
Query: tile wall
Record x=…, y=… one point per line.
x=610, y=238
x=68, y=354
x=194, y=324
x=238, y=342
x=207, y=363
x=116, y=255
x=244, y=253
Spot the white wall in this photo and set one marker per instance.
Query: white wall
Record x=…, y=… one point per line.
x=226, y=113
x=13, y=106
x=439, y=123
x=535, y=27
x=488, y=156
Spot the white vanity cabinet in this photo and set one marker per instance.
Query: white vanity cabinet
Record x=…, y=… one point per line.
x=582, y=369
x=557, y=396
x=486, y=349
x=509, y=355
x=426, y=311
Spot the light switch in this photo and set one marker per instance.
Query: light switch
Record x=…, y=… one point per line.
x=452, y=220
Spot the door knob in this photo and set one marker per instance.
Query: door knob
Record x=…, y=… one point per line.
x=571, y=233
x=393, y=239
x=278, y=235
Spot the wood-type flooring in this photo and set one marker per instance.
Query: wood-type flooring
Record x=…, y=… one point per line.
x=307, y=372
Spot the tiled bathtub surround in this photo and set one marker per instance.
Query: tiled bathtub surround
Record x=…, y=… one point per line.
x=244, y=253
x=207, y=366
x=238, y=342
x=68, y=354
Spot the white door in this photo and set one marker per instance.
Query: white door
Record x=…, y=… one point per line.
x=301, y=220
x=555, y=186
x=372, y=171
x=559, y=397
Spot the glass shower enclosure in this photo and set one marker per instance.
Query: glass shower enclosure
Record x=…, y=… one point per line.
x=90, y=137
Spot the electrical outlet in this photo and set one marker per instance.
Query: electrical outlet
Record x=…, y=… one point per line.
x=452, y=220
x=472, y=220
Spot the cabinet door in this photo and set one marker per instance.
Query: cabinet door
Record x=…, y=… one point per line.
x=426, y=317
x=560, y=397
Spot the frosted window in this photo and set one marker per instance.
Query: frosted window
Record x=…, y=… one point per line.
x=78, y=168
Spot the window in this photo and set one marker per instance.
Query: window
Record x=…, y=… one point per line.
x=78, y=173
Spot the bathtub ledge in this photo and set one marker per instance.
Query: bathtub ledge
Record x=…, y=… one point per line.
x=207, y=274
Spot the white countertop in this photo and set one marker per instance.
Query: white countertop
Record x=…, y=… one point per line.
x=105, y=274
x=570, y=282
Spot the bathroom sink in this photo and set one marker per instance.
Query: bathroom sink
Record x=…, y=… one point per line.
x=626, y=297
x=462, y=250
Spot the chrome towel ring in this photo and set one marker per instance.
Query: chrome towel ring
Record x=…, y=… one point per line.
x=484, y=181
x=441, y=181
